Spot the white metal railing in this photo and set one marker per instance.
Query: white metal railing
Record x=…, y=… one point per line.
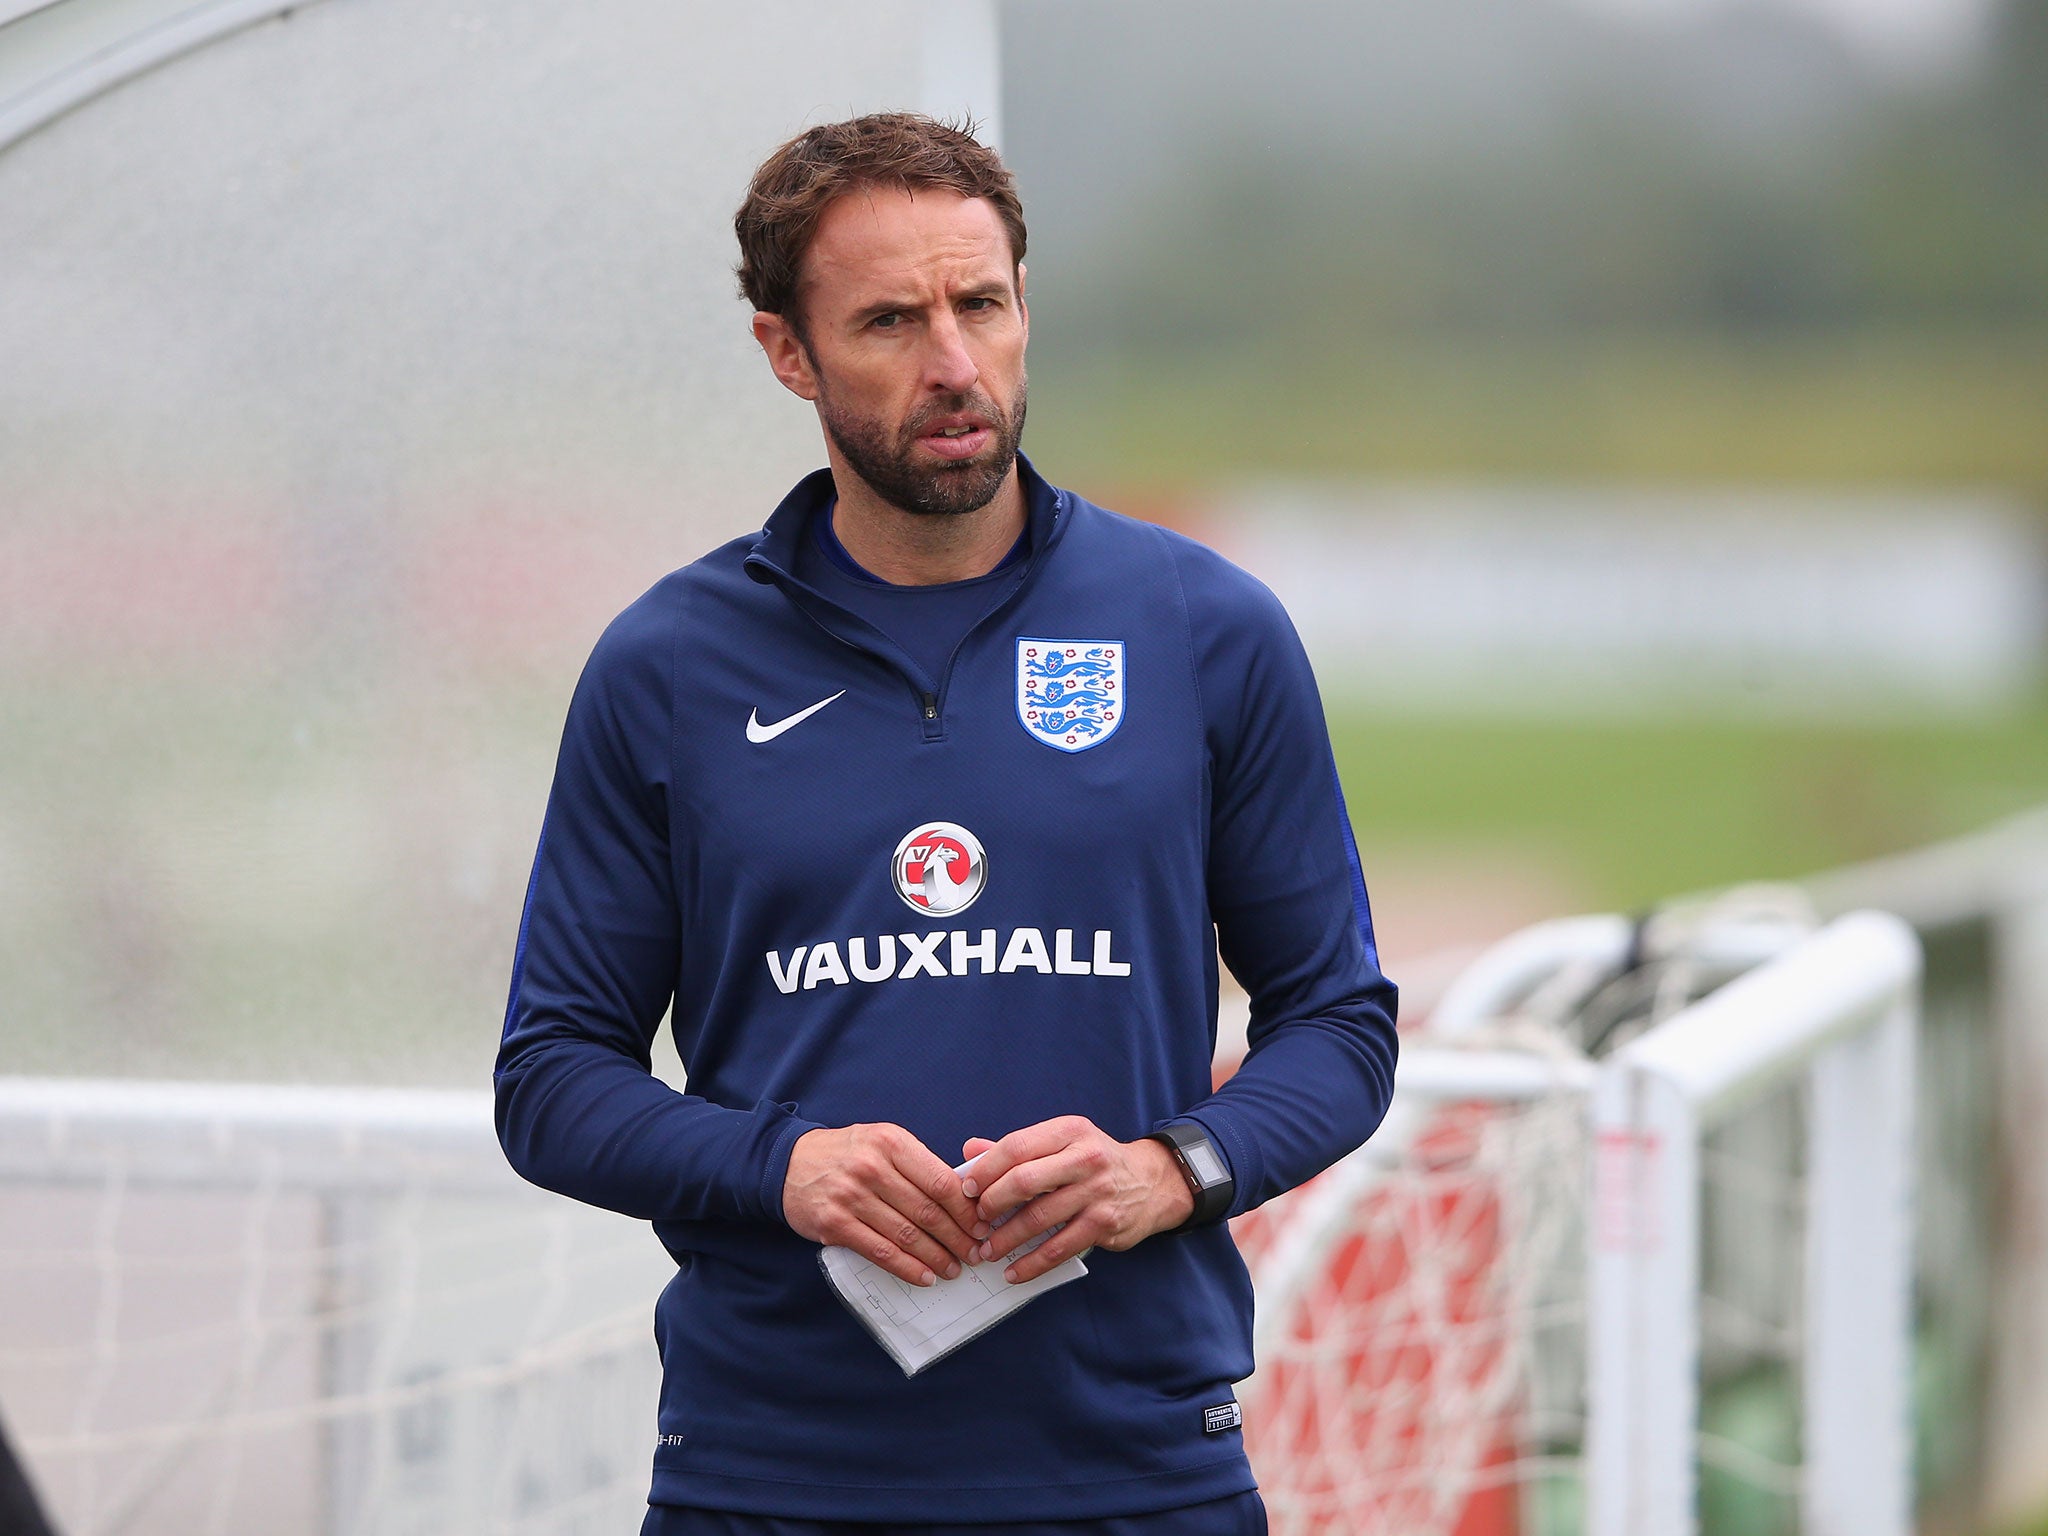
x=1839, y=1012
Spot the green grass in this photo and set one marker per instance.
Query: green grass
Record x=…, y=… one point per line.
x=1891, y=411
x=1632, y=812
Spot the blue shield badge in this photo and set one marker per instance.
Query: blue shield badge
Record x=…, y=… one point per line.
x=1070, y=693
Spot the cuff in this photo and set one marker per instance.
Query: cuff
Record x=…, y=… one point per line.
x=775, y=1165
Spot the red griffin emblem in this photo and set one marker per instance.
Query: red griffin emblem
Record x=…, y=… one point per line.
x=939, y=868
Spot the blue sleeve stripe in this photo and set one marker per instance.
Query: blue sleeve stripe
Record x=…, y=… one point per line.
x=1359, y=907
x=526, y=922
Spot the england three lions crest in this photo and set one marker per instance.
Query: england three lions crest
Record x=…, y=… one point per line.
x=1070, y=693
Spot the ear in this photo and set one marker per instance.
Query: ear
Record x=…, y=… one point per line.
x=1023, y=309
x=786, y=355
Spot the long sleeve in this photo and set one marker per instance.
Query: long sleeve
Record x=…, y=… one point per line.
x=1288, y=901
x=579, y=1110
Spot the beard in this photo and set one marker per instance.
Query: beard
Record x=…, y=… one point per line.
x=888, y=462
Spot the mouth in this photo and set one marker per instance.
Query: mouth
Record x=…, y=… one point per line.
x=956, y=437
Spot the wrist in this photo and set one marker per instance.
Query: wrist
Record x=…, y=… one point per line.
x=1204, y=1171
x=1172, y=1201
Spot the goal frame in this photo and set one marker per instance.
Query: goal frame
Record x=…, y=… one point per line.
x=1834, y=1013
x=1837, y=1016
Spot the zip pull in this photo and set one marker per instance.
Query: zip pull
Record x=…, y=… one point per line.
x=931, y=706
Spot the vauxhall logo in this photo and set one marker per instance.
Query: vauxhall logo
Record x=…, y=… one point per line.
x=940, y=868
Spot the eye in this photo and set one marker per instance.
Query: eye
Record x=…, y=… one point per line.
x=887, y=322
x=979, y=303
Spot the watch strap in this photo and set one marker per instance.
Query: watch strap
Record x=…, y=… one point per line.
x=1192, y=1148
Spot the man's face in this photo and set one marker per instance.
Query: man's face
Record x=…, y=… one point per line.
x=913, y=345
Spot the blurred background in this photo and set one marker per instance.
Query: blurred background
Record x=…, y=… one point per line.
x=1642, y=405
x=1668, y=380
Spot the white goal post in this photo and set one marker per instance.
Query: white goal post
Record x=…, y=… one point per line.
x=264, y=1307
x=1839, y=1013
x=1834, y=1011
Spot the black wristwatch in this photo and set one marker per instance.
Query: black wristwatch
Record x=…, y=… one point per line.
x=1202, y=1165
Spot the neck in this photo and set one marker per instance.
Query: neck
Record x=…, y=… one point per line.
x=914, y=549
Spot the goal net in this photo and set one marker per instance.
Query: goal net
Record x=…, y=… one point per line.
x=1416, y=1309
x=243, y=1309
x=1519, y=1310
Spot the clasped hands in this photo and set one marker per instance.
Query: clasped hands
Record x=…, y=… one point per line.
x=879, y=1191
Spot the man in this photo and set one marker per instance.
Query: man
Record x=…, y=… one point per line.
x=927, y=808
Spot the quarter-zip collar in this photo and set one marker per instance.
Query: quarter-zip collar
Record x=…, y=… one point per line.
x=773, y=560
x=773, y=556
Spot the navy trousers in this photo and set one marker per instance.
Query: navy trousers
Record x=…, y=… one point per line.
x=1242, y=1514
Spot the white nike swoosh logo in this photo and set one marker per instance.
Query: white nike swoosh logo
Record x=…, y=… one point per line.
x=757, y=732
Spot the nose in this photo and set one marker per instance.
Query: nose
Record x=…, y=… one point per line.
x=949, y=367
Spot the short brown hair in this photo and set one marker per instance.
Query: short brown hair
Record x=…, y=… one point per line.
x=795, y=185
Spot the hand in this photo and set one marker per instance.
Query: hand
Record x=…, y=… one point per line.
x=880, y=1191
x=1111, y=1194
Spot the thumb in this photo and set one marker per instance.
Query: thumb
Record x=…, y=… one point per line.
x=973, y=1147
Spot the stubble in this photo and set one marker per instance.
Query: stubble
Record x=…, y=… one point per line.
x=887, y=460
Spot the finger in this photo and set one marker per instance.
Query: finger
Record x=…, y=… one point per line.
x=1021, y=1185
x=936, y=1200
x=971, y=1151
x=878, y=1215
x=1079, y=1161
x=910, y=1204
x=1033, y=1218
x=940, y=1185
x=1020, y=1146
x=919, y=1215
x=851, y=1233
x=1074, y=1238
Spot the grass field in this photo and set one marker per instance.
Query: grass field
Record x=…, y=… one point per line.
x=1630, y=812
x=1912, y=411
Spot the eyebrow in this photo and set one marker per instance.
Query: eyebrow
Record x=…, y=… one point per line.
x=868, y=312
x=890, y=306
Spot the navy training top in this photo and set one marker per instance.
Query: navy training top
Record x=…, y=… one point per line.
x=1129, y=760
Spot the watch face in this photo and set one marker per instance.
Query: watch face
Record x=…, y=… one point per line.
x=1208, y=1166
